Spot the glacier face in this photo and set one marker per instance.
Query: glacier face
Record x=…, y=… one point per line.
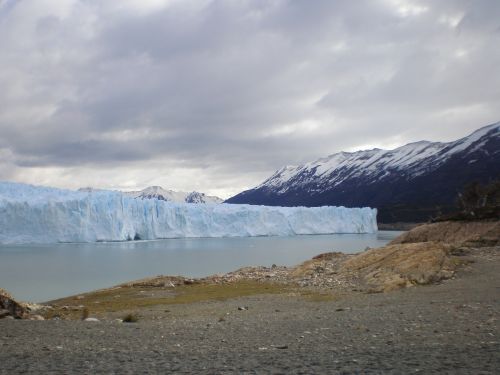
x=33, y=214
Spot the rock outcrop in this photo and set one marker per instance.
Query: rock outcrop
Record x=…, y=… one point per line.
x=10, y=307
x=476, y=233
x=401, y=265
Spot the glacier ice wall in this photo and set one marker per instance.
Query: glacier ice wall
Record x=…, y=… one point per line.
x=33, y=214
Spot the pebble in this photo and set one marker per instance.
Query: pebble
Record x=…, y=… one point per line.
x=281, y=346
x=91, y=320
x=37, y=317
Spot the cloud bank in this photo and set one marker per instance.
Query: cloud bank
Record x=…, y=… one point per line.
x=215, y=95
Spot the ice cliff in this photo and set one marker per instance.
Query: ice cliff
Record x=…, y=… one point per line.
x=34, y=214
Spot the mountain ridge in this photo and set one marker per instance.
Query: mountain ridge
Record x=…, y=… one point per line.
x=421, y=176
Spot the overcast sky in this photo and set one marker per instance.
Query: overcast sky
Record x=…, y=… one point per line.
x=215, y=95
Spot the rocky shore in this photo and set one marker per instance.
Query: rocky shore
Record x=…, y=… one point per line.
x=428, y=302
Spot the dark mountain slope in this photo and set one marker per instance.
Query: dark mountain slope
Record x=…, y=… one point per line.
x=410, y=183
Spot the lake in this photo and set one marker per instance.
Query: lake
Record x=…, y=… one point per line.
x=45, y=272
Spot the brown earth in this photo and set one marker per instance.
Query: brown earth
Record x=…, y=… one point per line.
x=396, y=266
x=474, y=233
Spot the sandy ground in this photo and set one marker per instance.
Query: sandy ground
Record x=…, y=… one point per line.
x=452, y=327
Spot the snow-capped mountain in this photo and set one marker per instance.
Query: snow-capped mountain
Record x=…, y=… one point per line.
x=157, y=192
x=416, y=177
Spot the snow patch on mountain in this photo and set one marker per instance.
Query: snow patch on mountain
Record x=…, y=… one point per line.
x=412, y=160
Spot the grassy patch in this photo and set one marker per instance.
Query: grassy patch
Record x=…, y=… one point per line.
x=127, y=299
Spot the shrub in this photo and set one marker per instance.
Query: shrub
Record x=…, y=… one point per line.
x=130, y=318
x=476, y=202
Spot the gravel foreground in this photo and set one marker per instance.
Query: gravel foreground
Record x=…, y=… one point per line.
x=451, y=328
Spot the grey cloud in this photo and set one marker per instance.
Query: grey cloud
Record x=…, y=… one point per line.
x=237, y=87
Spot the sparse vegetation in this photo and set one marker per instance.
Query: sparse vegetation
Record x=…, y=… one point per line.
x=476, y=202
x=131, y=318
x=476, y=196
x=124, y=299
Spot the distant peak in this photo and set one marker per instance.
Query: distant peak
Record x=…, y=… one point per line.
x=157, y=192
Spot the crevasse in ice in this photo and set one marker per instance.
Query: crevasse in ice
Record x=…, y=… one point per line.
x=34, y=214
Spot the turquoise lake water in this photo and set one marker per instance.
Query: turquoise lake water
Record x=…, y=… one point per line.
x=44, y=272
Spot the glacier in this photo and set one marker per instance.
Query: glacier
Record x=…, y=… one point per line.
x=36, y=214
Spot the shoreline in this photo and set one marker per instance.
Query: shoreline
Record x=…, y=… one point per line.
x=114, y=263
x=404, y=262
x=398, y=226
x=328, y=274
x=429, y=307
